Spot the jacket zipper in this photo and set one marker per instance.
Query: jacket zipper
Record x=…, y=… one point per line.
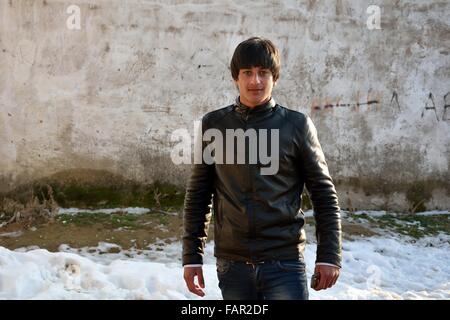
x=249, y=197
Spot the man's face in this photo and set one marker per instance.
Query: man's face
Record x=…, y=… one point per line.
x=255, y=86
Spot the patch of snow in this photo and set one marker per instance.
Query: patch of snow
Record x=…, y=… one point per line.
x=131, y=210
x=379, y=267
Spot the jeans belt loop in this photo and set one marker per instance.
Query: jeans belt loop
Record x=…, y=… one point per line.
x=254, y=264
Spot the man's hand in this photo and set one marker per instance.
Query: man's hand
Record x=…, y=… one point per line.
x=189, y=275
x=328, y=276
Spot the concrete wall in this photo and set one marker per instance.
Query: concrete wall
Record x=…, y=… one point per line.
x=108, y=96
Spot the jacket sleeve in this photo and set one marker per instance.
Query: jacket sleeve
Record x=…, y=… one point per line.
x=323, y=196
x=196, y=215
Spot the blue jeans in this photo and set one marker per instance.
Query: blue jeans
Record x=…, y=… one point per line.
x=270, y=280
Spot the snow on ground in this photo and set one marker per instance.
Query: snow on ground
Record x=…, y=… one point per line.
x=373, y=268
x=130, y=210
x=372, y=213
x=388, y=266
x=430, y=213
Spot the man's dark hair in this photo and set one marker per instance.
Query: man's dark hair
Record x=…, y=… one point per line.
x=256, y=52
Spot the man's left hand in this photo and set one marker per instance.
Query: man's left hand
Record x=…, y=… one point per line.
x=328, y=276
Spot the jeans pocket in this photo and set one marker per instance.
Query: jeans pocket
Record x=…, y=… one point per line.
x=291, y=265
x=223, y=266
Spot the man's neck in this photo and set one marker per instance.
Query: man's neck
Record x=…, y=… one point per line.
x=253, y=106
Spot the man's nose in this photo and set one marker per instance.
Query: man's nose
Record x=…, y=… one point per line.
x=256, y=79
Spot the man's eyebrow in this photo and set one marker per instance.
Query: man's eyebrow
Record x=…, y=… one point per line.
x=261, y=68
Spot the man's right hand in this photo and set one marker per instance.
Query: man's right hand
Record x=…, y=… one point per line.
x=189, y=276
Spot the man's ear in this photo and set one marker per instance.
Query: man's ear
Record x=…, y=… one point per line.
x=236, y=84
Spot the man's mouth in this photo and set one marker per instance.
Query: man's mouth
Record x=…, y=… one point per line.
x=255, y=90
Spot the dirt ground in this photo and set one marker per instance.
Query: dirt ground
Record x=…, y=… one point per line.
x=126, y=230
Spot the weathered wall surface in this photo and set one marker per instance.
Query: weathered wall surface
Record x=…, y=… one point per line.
x=108, y=96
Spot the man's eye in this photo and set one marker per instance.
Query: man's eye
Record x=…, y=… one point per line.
x=264, y=73
x=248, y=73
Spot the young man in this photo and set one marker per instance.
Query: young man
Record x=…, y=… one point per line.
x=258, y=223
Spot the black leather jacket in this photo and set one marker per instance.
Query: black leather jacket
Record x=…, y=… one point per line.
x=258, y=217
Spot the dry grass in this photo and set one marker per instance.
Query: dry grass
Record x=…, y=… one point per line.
x=33, y=211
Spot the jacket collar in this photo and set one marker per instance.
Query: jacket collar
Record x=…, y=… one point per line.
x=248, y=112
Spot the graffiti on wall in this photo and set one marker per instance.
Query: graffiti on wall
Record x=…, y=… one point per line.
x=374, y=99
x=430, y=105
x=446, y=113
x=394, y=100
x=337, y=105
